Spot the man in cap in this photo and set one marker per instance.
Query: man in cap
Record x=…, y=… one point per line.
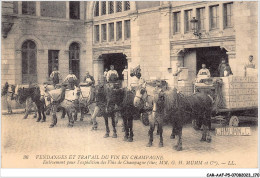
x=112, y=74
x=71, y=79
x=89, y=79
x=55, y=76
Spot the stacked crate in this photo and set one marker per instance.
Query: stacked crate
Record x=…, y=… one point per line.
x=240, y=92
x=185, y=87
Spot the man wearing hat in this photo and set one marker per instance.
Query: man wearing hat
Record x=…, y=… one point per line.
x=112, y=74
x=89, y=79
x=71, y=79
x=250, y=64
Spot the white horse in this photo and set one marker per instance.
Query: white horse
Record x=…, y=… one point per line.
x=67, y=99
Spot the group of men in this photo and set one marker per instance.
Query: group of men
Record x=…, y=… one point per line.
x=70, y=79
x=109, y=75
x=224, y=69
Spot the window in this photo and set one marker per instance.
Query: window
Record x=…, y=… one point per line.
x=111, y=7
x=118, y=6
x=127, y=29
x=104, y=8
x=74, y=59
x=119, y=31
x=96, y=33
x=29, y=62
x=104, y=32
x=96, y=9
x=28, y=8
x=74, y=9
x=176, y=21
x=111, y=32
x=228, y=15
x=187, y=20
x=214, y=17
x=201, y=18
x=127, y=5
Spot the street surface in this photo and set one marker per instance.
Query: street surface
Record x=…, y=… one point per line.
x=23, y=139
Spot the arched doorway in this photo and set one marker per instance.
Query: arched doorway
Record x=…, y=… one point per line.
x=29, y=62
x=74, y=59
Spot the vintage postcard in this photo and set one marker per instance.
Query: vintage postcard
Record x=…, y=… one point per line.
x=129, y=84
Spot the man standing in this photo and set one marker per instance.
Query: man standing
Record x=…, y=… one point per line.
x=176, y=74
x=250, y=64
x=112, y=74
x=71, y=79
x=89, y=79
x=55, y=76
x=125, y=74
x=203, y=73
x=221, y=67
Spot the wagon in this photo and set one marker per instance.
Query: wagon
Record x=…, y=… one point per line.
x=236, y=97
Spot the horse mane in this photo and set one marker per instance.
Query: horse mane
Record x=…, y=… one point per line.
x=171, y=99
x=5, y=89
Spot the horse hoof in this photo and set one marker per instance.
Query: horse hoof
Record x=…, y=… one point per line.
x=81, y=119
x=208, y=139
x=106, y=135
x=125, y=138
x=149, y=144
x=160, y=144
x=172, y=137
x=43, y=121
x=203, y=139
x=25, y=117
x=130, y=139
x=70, y=125
x=179, y=148
x=114, y=135
x=38, y=120
x=52, y=125
x=34, y=116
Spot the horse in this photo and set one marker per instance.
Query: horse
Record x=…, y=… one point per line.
x=65, y=98
x=86, y=97
x=34, y=93
x=143, y=100
x=127, y=110
x=181, y=109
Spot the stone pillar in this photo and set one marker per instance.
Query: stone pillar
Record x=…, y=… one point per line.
x=221, y=17
x=81, y=12
x=164, y=36
x=89, y=48
x=19, y=7
x=207, y=19
x=182, y=27
x=38, y=8
x=42, y=63
x=67, y=10
x=64, y=63
x=98, y=66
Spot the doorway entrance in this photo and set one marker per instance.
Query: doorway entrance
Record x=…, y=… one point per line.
x=53, y=60
x=211, y=56
x=118, y=60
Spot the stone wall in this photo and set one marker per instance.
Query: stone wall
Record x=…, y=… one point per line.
x=48, y=34
x=246, y=26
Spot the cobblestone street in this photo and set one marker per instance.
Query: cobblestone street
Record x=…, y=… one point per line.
x=27, y=137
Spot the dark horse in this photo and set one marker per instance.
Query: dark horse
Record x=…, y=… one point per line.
x=181, y=109
x=34, y=93
x=128, y=112
x=106, y=99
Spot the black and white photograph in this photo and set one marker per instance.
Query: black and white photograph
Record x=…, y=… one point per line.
x=129, y=84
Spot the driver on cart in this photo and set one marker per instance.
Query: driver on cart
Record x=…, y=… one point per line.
x=203, y=74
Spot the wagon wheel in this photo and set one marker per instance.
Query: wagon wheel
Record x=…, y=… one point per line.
x=234, y=121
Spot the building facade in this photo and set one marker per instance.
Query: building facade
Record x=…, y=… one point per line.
x=90, y=36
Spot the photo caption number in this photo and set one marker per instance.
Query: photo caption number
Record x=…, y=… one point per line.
x=25, y=156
